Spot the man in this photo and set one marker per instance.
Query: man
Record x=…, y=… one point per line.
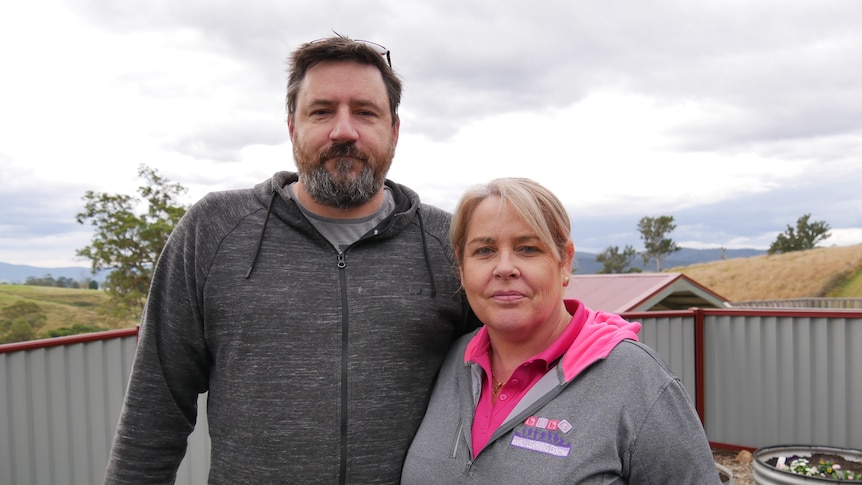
x=315, y=308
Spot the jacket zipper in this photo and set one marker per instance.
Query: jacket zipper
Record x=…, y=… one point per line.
x=342, y=277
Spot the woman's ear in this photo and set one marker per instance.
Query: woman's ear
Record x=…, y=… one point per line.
x=568, y=256
x=566, y=263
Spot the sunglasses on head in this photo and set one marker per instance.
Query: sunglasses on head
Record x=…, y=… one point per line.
x=383, y=51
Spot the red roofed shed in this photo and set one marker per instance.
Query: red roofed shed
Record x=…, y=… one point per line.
x=640, y=292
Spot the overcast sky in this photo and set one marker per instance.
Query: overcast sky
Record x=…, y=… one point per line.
x=734, y=117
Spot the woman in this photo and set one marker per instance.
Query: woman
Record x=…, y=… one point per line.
x=548, y=391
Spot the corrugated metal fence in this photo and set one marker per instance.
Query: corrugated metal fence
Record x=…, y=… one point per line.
x=60, y=409
x=60, y=405
x=807, y=303
x=784, y=377
x=759, y=378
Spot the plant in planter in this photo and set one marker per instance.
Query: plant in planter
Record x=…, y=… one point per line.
x=823, y=466
x=793, y=464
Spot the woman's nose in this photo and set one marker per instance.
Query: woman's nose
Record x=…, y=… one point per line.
x=506, y=267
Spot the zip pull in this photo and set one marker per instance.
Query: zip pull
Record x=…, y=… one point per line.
x=341, y=263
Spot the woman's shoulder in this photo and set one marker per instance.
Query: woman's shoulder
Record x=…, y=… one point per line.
x=638, y=358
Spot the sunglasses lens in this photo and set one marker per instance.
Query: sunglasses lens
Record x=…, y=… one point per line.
x=377, y=47
x=383, y=51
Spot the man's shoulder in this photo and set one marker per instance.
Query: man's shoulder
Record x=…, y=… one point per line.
x=435, y=211
x=436, y=220
x=241, y=200
x=223, y=207
x=435, y=224
x=228, y=197
x=407, y=200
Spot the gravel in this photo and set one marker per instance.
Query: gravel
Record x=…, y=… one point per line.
x=738, y=462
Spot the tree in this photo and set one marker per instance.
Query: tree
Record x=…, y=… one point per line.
x=46, y=280
x=20, y=321
x=19, y=331
x=615, y=261
x=653, y=231
x=127, y=242
x=806, y=236
x=61, y=282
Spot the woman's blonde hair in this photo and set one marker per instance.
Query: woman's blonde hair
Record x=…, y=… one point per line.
x=538, y=206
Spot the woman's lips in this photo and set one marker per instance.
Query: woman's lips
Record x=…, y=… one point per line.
x=507, y=296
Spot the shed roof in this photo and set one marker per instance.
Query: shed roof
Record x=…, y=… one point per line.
x=637, y=292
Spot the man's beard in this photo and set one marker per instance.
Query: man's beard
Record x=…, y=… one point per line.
x=340, y=188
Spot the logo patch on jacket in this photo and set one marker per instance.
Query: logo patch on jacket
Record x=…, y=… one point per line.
x=543, y=435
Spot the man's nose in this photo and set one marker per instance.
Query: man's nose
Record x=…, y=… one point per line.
x=344, y=128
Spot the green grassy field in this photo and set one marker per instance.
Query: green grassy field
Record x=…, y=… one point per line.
x=62, y=307
x=852, y=287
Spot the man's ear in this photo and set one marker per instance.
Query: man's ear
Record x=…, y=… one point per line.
x=396, y=128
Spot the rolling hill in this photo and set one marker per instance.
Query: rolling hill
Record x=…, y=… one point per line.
x=820, y=272
x=833, y=272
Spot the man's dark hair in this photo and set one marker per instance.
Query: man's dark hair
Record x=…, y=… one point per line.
x=339, y=48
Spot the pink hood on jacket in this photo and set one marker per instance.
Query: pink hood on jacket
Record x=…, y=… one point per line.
x=598, y=334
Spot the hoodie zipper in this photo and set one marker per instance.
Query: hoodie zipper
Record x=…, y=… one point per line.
x=342, y=278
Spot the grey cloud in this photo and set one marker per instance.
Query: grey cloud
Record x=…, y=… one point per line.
x=777, y=78
x=26, y=215
x=223, y=141
x=786, y=70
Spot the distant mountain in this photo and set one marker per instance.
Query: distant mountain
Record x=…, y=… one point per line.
x=586, y=262
x=688, y=257
x=18, y=273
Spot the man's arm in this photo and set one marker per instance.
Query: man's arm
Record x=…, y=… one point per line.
x=171, y=368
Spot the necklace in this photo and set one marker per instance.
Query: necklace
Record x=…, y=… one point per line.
x=496, y=388
x=496, y=385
